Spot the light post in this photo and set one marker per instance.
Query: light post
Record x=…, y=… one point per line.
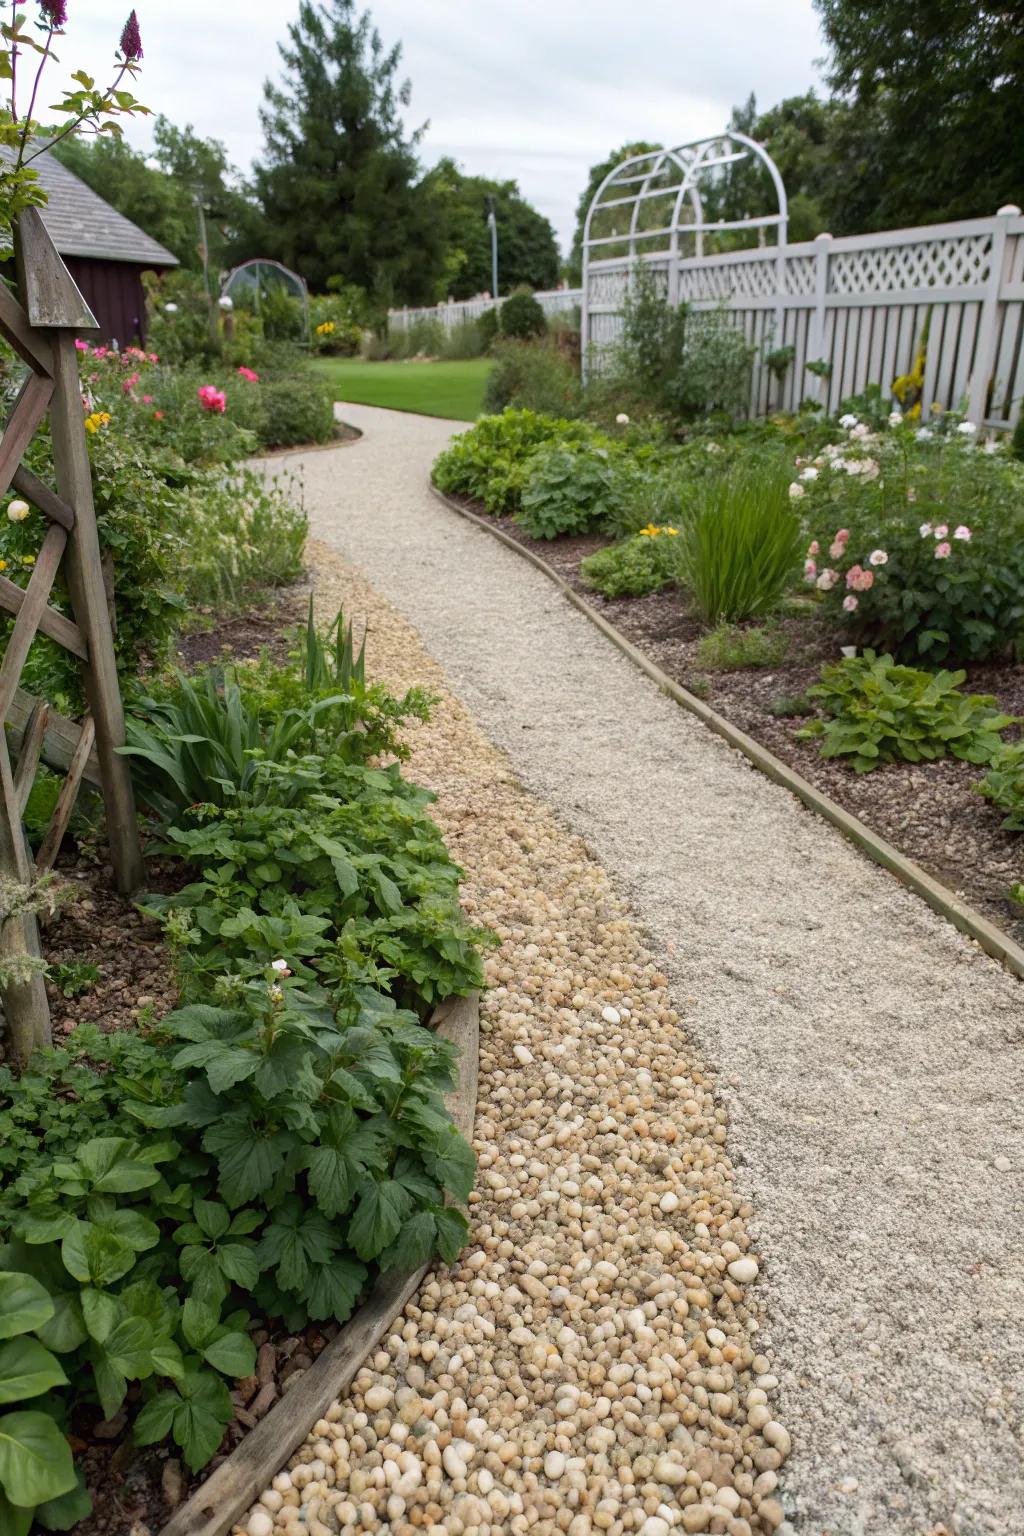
x=492, y=225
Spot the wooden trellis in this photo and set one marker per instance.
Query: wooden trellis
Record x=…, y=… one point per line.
x=42, y=330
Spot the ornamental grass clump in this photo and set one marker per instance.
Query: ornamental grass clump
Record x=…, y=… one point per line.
x=880, y=712
x=741, y=543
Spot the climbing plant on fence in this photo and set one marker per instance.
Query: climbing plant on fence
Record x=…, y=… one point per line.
x=41, y=326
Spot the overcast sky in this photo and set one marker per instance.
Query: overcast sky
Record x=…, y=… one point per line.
x=535, y=90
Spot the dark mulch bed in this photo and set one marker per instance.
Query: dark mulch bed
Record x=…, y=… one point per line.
x=930, y=811
x=243, y=635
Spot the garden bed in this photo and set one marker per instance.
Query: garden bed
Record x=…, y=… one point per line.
x=929, y=811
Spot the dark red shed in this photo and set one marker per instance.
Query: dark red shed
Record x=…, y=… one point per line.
x=105, y=253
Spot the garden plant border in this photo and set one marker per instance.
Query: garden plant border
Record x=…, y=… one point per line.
x=218, y=1502
x=939, y=897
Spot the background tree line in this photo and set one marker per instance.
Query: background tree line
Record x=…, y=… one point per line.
x=922, y=125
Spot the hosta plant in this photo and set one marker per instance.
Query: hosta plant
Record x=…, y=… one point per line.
x=880, y=712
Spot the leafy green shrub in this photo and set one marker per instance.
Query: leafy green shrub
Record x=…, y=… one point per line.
x=881, y=712
x=646, y=562
x=1017, y=440
x=521, y=316
x=465, y=340
x=730, y=648
x=1004, y=784
x=713, y=373
x=569, y=489
x=489, y=325
x=489, y=462
x=917, y=546
x=336, y=321
x=532, y=376
x=36, y=1466
x=296, y=410
x=740, y=543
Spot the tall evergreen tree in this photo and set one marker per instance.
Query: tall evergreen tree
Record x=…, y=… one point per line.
x=337, y=180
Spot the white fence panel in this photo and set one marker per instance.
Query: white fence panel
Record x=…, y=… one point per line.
x=859, y=305
x=558, y=301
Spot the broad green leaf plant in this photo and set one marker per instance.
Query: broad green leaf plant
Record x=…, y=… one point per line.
x=83, y=107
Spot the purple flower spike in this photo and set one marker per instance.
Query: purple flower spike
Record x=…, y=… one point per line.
x=55, y=11
x=131, y=40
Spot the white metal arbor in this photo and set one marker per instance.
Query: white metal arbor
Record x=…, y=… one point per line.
x=652, y=208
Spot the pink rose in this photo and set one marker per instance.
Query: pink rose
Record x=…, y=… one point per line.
x=843, y=534
x=837, y=549
x=813, y=550
x=942, y=550
x=810, y=570
x=940, y=530
x=850, y=603
x=853, y=575
x=963, y=532
x=865, y=581
x=827, y=580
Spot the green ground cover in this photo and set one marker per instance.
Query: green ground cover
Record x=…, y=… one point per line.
x=454, y=390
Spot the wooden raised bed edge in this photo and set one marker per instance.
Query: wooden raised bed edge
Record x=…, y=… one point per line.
x=229, y=1491
x=938, y=896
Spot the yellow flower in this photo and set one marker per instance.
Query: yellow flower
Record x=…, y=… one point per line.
x=326, y=329
x=96, y=420
x=3, y=565
x=650, y=532
x=673, y=533
x=28, y=559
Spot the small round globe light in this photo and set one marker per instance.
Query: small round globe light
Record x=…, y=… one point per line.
x=226, y=302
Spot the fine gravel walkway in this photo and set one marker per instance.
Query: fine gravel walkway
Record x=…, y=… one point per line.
x=872, y=1059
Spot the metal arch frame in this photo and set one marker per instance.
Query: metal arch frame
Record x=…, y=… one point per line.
x=691, y=159
x=268, y=261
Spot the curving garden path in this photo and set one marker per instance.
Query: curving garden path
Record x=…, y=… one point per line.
x=869, y=1058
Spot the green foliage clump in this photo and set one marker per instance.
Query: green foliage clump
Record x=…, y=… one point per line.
x=880, y=712
x=732, y=647
x=281, y=1138
x=464, y=341
x=1003, y=784
x=570, y=488
x=522, y=317
x=740, y=544
x=489, y=462
x=295, y=410
x=646, y=562
x=532, y=376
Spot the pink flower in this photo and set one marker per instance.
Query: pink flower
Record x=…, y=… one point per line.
x=128, y=384
x=853, y=575
x=810, y=570
x=131, y=42
x=942, y=550
x=963, y=532
x=850, y=603
x=212, y=399
x=813, y=548
x=842, y=535
x=80, y=345
x=99, y=351
x=878, y=557
x=827, y=580
x=865, y=581
x=837, y=549
x=151, y=357
x=158, y=415
x=247, y=373
x=147, y=399
x=940, y=530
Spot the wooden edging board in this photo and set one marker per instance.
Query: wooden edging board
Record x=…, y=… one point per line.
x=938, y=896
x=228, y=1492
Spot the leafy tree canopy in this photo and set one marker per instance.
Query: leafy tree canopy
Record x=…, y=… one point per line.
x=527, y=248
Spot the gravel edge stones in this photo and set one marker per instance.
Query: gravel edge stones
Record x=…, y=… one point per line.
x=870, y=1056
x=592, y=1363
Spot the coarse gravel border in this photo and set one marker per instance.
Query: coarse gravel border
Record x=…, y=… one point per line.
x=940, y=897
x=592, y=1361
x=870, y=1055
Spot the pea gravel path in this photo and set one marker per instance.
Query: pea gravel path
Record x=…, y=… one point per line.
x=872, y=1058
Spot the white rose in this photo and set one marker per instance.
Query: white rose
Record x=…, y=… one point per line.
x=967, y=428
x=795, y=491
x=847, y=421
x=810, y=473
x=622, y=419
x=17, y=511
x=896, y=418
x=924, y=434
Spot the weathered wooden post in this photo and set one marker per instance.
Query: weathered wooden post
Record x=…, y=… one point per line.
x=42, y=330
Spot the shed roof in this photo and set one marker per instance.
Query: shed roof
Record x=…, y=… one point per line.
x=81, y=223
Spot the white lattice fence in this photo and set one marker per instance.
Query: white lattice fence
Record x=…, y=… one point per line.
x=860, y=306
x=558, y=301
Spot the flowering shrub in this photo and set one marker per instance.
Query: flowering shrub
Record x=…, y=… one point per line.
x=916, y=540
x=211, y=398
x=880, y=712
x=646, y=562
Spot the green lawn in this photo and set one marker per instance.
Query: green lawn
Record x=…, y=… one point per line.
x=455, y=390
